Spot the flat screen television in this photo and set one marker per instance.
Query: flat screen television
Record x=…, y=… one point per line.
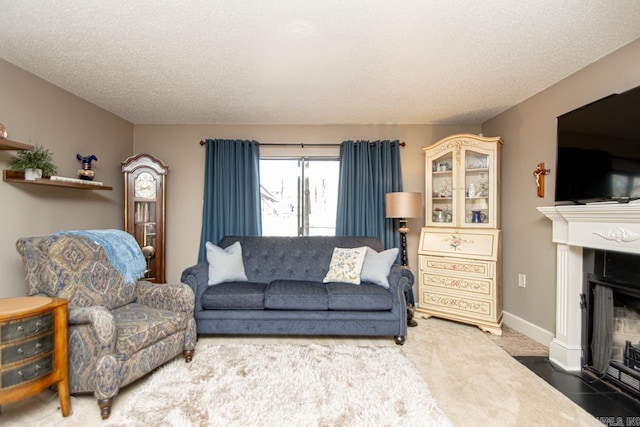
x=598, y=157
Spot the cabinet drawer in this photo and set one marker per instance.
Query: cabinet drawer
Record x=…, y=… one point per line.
x=460, y=243
x=27, y=372
x=474, y=286
x=448, y=266
x=24, y=328
x=459, y=305
x=25, y=350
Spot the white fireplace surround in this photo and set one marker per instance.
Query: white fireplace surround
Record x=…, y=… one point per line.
x=613, y=227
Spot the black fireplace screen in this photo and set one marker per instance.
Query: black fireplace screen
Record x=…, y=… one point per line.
x=602, y=325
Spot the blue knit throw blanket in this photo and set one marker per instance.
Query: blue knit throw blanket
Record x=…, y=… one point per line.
x=121, y=248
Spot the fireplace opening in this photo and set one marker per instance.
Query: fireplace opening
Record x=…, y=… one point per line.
x=611, y=319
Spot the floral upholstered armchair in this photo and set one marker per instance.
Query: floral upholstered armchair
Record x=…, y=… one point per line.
x=120, y=327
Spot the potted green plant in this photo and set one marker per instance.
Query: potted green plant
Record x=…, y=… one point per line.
x=35, y=163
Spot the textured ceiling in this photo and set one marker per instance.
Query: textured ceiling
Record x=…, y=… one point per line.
x=307, y=61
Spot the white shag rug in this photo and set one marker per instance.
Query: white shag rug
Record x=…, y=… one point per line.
x=275, y=385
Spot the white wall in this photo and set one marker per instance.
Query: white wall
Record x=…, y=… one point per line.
x=37, y=112
x=529, y=133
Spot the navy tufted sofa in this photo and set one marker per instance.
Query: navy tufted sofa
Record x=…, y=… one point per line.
x=285, y=295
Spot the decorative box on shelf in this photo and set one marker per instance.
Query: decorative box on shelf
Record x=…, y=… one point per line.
x=75, y=180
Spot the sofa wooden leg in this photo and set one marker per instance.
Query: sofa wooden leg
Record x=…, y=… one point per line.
x=399, y=340
x=188, y=355
x=105, y=407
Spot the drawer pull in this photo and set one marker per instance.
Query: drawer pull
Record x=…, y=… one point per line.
x=36, y=350
x=32, y=331
x=36, y=368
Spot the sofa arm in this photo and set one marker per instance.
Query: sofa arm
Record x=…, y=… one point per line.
x=178, y=298
x=197, y=277
x=400, y=281
x=102, y=323
x=402, y=277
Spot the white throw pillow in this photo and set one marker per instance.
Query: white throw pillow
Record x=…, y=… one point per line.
x=346, y=265
x=225, y=265
x=377, y=266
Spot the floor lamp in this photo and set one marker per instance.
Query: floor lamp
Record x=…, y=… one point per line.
x=404, y=205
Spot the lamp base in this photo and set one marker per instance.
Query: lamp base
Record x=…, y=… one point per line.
x=411, y=322
x=403, y=245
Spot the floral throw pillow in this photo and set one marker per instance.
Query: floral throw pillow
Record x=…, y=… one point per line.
x=346, y=265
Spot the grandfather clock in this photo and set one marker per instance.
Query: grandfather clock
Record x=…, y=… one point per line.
x=144, y=209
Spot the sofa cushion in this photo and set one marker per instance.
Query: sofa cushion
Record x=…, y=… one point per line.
x=225, y=265
x=346, y=265
x=139, y=326
x=296, y=295
x=363, y=297
x=234, y=296
x=377, y=266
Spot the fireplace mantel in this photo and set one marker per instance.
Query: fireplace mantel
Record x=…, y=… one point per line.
x=613, y=227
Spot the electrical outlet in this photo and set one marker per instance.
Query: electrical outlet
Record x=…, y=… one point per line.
x=522, y=280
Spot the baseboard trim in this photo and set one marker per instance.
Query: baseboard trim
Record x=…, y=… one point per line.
x=527, y=328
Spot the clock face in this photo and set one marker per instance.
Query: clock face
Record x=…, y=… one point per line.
x=145, y=186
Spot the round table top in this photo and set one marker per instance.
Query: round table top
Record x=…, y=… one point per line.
x=15, y=305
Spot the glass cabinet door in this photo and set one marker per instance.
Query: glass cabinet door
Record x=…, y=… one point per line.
x=442, y=190
x=476, y=188
x=145, y=233
x=462, y=178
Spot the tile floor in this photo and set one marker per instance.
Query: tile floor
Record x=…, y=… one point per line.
x=609, y=404
x=604, y=401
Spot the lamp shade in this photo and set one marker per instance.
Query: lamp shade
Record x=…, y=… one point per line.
x=403, y=205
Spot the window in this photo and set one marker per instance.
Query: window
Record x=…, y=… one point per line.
x=299, y=196
x=625, y=185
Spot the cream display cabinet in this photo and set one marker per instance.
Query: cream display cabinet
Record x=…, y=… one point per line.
x=459, y=251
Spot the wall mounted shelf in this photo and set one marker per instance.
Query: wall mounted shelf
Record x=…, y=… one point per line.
x=18, y=178
x=7, y=144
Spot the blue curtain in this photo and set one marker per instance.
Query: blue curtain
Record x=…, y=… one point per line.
x=368, y=170
x=231, y=204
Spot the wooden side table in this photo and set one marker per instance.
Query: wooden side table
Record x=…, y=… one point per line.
x=33, y=348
